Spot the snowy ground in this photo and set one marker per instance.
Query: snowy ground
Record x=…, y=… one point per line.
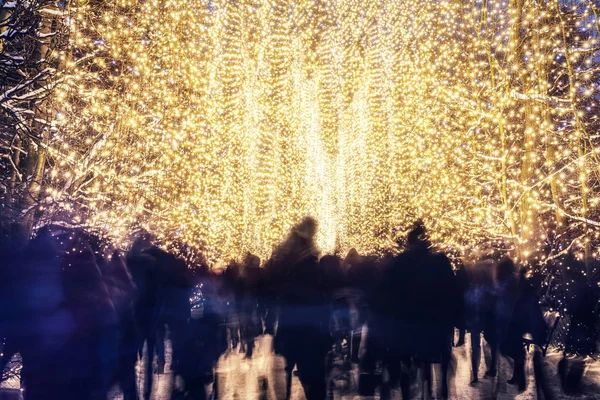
x=262, y=377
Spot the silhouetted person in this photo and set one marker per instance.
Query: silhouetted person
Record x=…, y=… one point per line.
x=581, y=298
x=372, y=340
x=527, y=320
x=334, y=283
x=478, y=302
x=505, y=296
x=462, y=283
x=271, y=275
x=175, y=290
x=248, y=304
x=95, y=345
x=204, y=342
x=230, y=293
x=144, y=270
x=122, y=291
x=437, y=304
x=398, y=307
x=40, y=324
x=361, y=277
x=351, y=265
x=302, y=332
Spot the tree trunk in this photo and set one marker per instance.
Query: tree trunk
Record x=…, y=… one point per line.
x=36, y=147
x=580, y=137
x=5, y=14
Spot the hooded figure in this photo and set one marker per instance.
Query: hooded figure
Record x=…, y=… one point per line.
x=303, y=332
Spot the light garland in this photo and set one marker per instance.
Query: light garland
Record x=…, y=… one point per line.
x=222, y=123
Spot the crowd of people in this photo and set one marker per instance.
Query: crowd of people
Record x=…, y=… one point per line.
x=81, y=315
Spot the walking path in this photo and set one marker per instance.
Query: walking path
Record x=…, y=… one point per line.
x=262, y=378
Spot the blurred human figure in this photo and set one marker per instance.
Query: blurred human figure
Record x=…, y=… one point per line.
x=334, y=283
x=161, y=335
x=581, y=300
x=351, y=259
x=269, y=307
x=371, y=350
x=462, y=283
x=400, y=309
x=248, y=304
x=175, y=290
x=302, y=333
x=504, y=299
x=144, y=270
x=230, y=294
x=437, y=305
x=526, y=321
x=478, y=302
x=121, y=290
x=361, y=278
x=40, y=324
x=93, y=349
x=204, y=341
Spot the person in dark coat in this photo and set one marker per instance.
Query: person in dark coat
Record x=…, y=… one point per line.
x=204, y=341
x=271, y=275
x=437, y=305
x=94, y=347
x=174, y=293
x=302, y=332
x=526, y=320
x=122, y=291
x=248, y=303
x=581, y=301
x=372, y=335
x=230, y=293
x=361, y=278
x=334, y=282
x=40, y=324
x=462, y=283
x=145, y=273
x=398, y=301
x=478, y=308
x=505, y=296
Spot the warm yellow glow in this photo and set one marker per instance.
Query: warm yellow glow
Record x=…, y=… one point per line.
x=221, y=123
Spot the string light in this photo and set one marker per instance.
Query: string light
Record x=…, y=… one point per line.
x=222, y=123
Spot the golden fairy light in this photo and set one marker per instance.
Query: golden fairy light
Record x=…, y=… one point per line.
x=221, y=123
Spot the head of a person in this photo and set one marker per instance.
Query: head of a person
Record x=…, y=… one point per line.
x=251, y=261
x=481, y=272
x=352, y=258
x=307, y=228
x=140, y=244
x=417, y=236
x=505, y=269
